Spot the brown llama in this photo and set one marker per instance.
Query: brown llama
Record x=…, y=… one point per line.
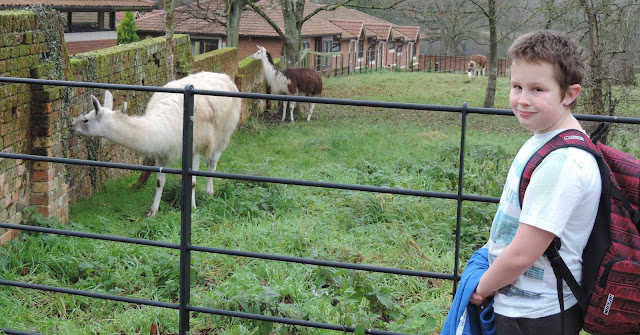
x=477, y=65
x=294, y=81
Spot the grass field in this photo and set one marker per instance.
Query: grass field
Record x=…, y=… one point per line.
x=356, y=145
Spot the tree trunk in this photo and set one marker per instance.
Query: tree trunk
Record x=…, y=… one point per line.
x=292, y=14
x=169, y=24
x=490, y=94
x=234, y=13
x=594, y=96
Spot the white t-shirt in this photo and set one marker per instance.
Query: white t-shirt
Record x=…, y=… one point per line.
x=562, y=198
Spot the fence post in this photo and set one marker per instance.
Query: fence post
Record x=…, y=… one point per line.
x=463, y=139
x=185, y=222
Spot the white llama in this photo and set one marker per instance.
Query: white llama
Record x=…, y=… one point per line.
x=158, y=133
x=294, y=81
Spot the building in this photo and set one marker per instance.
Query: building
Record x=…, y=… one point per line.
x=88, y=24
x=361, y=39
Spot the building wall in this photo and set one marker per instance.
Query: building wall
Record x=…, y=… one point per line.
x=247, y=46
x=89, y=41
x=84, y=46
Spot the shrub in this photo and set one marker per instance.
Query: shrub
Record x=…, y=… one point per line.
x=127, y=31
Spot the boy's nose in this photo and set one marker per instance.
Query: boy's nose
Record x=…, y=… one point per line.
x=523, y=99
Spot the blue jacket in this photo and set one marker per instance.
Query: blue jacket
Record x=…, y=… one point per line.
x=465, y=318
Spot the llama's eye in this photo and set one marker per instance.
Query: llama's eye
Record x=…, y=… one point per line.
x=85, y=120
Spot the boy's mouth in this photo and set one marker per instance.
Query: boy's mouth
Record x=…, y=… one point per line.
x=525, y=114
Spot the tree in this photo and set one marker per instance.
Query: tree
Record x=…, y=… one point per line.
x=449, y=22
x=293, y=14
x=511, y=17
x=608, y=30
x=127, y=31
x=227, y=13
x=169, y=24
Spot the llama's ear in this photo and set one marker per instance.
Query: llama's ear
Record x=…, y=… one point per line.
x=108, y=100
x=96, y=104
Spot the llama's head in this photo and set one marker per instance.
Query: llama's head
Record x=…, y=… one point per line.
x=472, y=65
x=92, y=123
x=260, y=54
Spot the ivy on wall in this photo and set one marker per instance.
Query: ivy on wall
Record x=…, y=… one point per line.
x=52, y=66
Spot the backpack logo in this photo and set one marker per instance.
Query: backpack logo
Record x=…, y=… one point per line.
x=607, y=306
x=574, y=137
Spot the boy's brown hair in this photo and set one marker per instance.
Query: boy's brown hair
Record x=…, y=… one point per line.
x=555, y=48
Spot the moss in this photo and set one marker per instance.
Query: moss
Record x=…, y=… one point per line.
x=246, y=62
x=16, y=20
x=5, y=53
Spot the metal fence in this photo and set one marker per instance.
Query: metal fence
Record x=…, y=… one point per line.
x=186, y=248
x=333, y=64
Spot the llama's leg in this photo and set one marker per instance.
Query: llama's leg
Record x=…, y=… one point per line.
x=161, y=178
x=284, y=109
x=195, y=166
x=212, y=163
x=311, y=105
x=292, y=107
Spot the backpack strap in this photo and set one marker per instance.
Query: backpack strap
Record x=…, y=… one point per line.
x=565, y=139
x=568, y=138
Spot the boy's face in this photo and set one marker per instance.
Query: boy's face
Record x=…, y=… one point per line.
x=536, y=97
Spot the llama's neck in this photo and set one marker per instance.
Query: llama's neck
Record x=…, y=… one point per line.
x=133, y=132
x=277, y=80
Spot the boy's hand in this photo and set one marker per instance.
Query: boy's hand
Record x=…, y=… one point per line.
x=478, y=300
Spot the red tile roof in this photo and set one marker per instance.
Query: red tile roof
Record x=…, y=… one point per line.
x=381, y=30
x=410, y=32
x=76, y=4
x=251, y=24
x=351, y=28
x=346, y=22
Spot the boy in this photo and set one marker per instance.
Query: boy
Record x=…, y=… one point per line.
x=561, y=200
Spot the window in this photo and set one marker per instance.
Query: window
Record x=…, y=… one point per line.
x=89, y=21
x=371, y=54
x=336, y=46
x=392, y=46
x=360, y=49
x=200, y=46
x=306, y=45
x=326, y=47
x=399, y=49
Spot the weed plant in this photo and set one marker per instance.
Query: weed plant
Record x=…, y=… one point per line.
x=343, y=144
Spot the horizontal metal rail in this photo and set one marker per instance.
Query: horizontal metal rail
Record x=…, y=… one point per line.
x=331, y=101
x=185, y=247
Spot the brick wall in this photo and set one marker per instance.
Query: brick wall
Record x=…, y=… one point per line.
x=20, y=46
x=223, y=60
x=34, y=119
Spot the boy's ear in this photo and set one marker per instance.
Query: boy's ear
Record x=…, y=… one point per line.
x=571, y=94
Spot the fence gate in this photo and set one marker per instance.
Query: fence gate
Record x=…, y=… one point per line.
x=185, y=247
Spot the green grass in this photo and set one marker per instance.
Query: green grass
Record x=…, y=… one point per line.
x=356, y=145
